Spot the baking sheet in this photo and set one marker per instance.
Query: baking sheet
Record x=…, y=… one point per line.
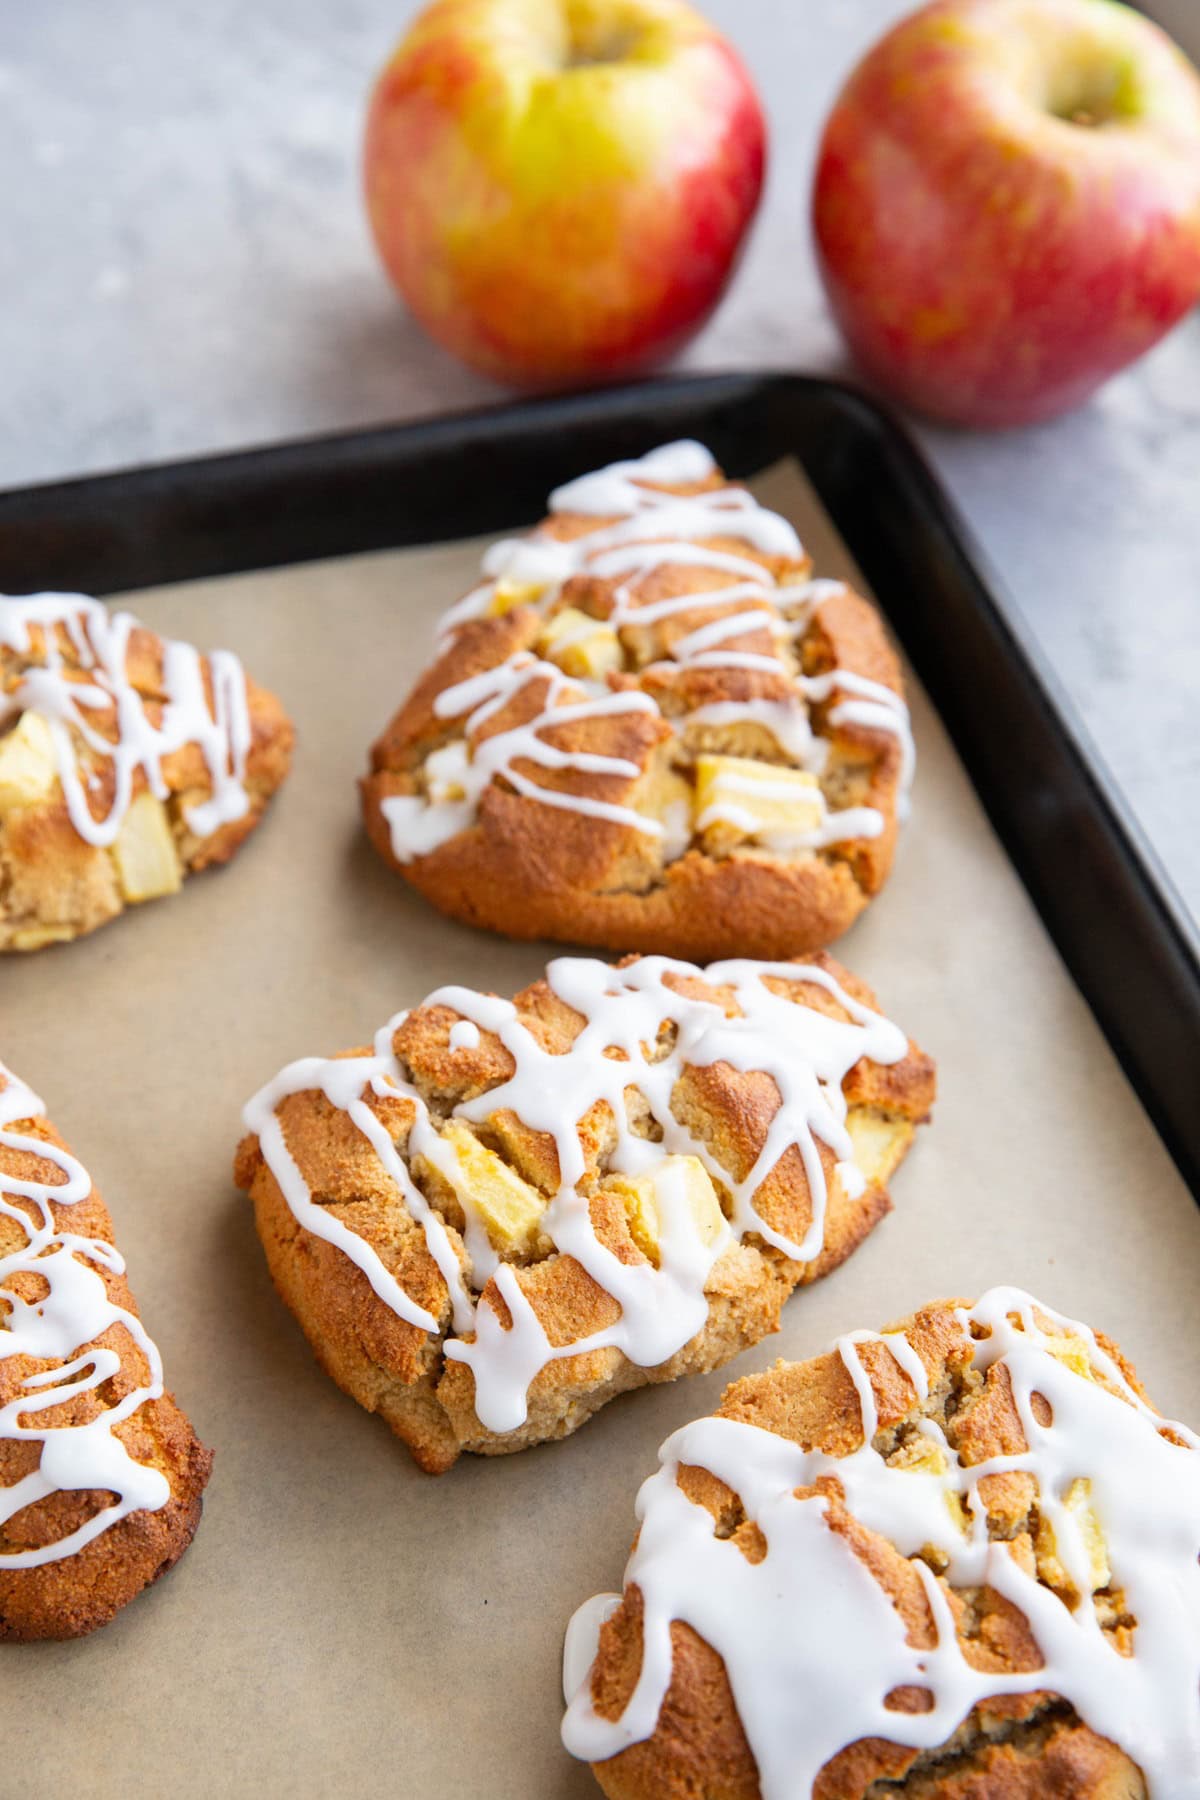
x=343, y=1624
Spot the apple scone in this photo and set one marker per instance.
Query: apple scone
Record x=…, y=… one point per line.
x=507, y=1212
x=650, y=729
x=955, y=1560
x=101, y=1475
x=127, y=761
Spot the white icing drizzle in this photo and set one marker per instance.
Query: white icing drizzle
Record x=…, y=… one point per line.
x=656, y=529
x=877, y=707
x=805, y=1693
x=64, y=697
x=74, y=1311
x=418, y=825
x=579, y=1645
x=617, y=488
x=343, y=1081
x=807, y=1053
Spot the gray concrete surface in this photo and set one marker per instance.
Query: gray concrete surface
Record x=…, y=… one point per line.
x=186, y=267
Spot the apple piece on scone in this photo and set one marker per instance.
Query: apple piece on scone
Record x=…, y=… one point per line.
x=144, y=852
x=742, y=801
x=28, y=770
x=505, y=595
x=584, y=647
x=678, y=1194
x=488, y=1189
x=879, y=1139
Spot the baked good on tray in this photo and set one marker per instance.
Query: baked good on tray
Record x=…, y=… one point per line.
x=957, y=1560
x=101, y=1475
x=505, y=1213
x=127, y=761
x=650, y=729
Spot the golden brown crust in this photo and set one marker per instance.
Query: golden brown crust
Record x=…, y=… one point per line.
x=531, y=870
x=54, y=884
x=703, y=910
x=396, y=1369
x=1022, y=1746
x=80, y=1592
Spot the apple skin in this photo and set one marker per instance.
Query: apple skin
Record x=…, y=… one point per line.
x=991, y=262
x=552, y=219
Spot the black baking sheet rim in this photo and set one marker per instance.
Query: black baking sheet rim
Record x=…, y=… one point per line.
x=1122, y=931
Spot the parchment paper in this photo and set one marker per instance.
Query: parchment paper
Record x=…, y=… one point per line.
x=342, y=1624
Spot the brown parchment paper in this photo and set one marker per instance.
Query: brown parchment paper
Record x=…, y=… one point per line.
x=342, y=1624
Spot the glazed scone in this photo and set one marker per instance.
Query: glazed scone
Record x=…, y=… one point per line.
x=957, y=1560
x=508, y=1212
x=650, y=729
x=101, y=1475
x=126, y=762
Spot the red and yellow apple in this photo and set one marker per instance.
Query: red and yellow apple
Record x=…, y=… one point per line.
x=1007, y=203
x=559, y=188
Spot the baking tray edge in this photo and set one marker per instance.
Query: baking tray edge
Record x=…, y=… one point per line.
x=1123, y=932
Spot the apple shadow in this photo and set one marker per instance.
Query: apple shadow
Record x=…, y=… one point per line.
x=377, y=358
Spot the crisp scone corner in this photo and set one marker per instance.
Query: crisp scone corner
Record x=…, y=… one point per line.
x=126, y=763
x=960, y=1557
x=505, y=1213
x=702, y=750
x=101, y=1475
